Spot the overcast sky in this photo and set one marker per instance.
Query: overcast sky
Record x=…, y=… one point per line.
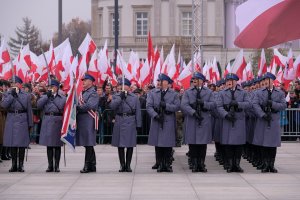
x=43, y=13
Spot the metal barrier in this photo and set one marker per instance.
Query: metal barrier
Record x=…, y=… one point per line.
x=289, y=123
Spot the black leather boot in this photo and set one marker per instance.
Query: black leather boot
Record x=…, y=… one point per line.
x=122, y=159
x=230, y=166
x=86, y=163
x=237, y=165
x=50, y=159
x=129, y=153
x=4, y=153
x=155, y=166
x=195, y=165
x=272, y=168
x=14, y=154
x=21, y=159
x=201, y=165
x=92, y=166
x=57, y=159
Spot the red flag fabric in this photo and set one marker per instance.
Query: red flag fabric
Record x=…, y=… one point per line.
x=266, y=23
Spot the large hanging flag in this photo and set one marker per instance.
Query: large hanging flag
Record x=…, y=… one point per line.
x=266, y=23
x=68, y=130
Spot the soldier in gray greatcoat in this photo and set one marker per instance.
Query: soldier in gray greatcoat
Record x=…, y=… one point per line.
x=161, y=106
x=18, y=122
x=197, y=104
x=128, y=118
x=52, y=105
x=232, y=103
x=217, y=129
x=86, y=130
x=268, y=102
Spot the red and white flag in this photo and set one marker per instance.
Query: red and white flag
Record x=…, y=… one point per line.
x=239, y=64
x=87, y=47
x=266, y=23
x=262, y=64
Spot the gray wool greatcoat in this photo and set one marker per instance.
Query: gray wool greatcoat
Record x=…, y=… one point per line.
x=16, y=131
x=85, y=132
x=250, y=120
x=163, y=136
x=264, y=135
x=124, y=132
x=51, y=124
x=217, y=127
x=233, y=135
x=195, y=133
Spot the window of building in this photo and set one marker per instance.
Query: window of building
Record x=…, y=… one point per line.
x=141, y=23
x=186, y=24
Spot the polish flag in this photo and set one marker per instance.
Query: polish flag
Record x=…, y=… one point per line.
x=227, y=69
x=23, y=63
x=145, y=76
x=297, y=66
x=150, y=48
x=262, y=65
x=87, y=47
x=239, y=64
x=93, y=68
x=249, y=72
x=185, y=76
x=5, y=63
x=266, y=23
x=279, y=58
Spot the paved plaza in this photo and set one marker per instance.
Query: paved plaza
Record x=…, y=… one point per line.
x=144, y=183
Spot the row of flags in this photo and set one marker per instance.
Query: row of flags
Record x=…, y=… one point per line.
x=66, y=67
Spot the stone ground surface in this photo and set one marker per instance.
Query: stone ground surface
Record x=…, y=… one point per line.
x=145, y=183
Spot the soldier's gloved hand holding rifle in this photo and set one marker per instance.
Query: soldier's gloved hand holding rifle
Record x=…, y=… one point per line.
x=14, y=92
x=49, y=93
x=123, y=95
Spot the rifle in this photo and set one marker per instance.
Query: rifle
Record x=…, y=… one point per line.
x=268, y=109
x=231, y=108
x=161, y=111
x=198, y=105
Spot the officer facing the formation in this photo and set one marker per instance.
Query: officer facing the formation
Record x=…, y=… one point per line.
x=18, y=122
x=128, y=118
x=86, y=122
x=52, y=105
x=196, y=104
x=161, y=106
x=231, y=104
x=268, y=102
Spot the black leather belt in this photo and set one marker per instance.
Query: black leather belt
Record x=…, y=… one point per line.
x=17, y=111
x=53, y=114
x=125, y=114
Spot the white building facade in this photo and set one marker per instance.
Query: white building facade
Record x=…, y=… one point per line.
x=169, y=21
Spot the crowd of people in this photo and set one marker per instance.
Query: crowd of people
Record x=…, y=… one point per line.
x=241, y=120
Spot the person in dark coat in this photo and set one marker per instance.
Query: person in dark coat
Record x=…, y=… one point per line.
x=18, y=123
x=86, y=130
x=232, y=103
x=268, y=103
x=52, y=105
x=128, y=118
x=197, y=104
x=161, y=106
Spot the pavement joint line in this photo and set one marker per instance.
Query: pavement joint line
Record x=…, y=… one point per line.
x=185, y=172
x=134, y=170
x=26, y=174
x=257, y=190
x=65, y=193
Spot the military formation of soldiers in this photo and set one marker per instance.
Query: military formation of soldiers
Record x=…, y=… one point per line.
x=242, y=120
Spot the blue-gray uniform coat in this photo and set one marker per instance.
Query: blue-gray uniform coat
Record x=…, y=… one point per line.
x=264, y=135
x=16, y=131
x=250, y=120
x=233, y=135
x=195, y=133
x=166, y=136
x=128, y=118
x=217, y=127
x=85, y=132
x=53, y=109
